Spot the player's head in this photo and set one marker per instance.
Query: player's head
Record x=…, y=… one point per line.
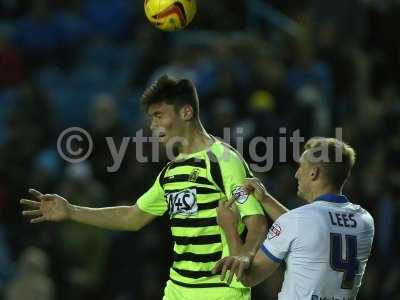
x=172, y=105
x=325, y=164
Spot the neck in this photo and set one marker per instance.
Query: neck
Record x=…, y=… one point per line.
x=323, y=191
x=197, y=139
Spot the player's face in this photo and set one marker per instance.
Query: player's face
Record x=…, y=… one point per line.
x=303, y=178
x=165, y=121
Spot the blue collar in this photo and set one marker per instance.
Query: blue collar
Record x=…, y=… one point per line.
x=334, y=198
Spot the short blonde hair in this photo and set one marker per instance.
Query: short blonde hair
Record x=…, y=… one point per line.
x=338, y=161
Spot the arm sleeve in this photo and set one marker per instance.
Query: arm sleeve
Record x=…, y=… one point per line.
x=280, y=237
x=153, y=201
x=234, y=170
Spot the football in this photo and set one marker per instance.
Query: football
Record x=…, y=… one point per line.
x=170, y=15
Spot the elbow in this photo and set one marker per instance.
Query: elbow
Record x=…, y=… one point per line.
x=128, y=225
x=133, y=220
x=134, y=228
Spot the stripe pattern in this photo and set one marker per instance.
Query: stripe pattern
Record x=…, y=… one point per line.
x=197, y=238
x=198, y=244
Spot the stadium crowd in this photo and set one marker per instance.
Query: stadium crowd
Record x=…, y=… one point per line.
x=86, y=63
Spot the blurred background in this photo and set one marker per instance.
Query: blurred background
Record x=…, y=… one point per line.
x=258, y=65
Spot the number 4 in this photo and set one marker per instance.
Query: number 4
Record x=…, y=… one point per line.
x=350, y=265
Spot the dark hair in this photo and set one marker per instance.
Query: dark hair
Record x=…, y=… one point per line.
x=336, y=171
x=178, y=92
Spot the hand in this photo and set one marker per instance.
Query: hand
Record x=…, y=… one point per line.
x=227, y=217
x=48, y=207
x=235, y=264
x=254, y=186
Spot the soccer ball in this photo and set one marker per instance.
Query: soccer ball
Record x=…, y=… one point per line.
x=170, y=15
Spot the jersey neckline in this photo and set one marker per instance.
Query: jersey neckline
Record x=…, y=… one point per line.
x=190, y=155
x=334, y=198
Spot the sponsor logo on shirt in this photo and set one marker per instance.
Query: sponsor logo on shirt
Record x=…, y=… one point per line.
x=240, y=194
x=193, y=176
x=274, y=231
x=182, y=202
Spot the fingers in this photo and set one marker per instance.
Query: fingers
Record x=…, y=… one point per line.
x=38, y=220
x=249, y=185
x=240, y=270
x=228, y=265
x=36, y=212
x=235, y=266
x=32, y=213
x=218, y=266
x=253, y=184
x=229, y=203
x=225, y=268
x=34, y=204
x=232, y=271
x=35, y=193
x=221, y=204
x=225, y=204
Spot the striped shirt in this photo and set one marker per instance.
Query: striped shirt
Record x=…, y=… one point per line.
x=189, y=189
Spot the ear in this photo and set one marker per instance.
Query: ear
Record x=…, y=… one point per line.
x=315, y=173
x=186, y=112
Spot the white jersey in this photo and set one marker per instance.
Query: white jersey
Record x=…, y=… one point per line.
x=326, y=245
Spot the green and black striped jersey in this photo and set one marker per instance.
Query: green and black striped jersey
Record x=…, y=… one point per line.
x=189, y=189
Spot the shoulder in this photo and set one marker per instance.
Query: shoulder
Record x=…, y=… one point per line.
x=227, y=156
x=364, y=215
x=225, y=151
x=301, y=210
x=285, y=227
x=289, y=218
x=162, y=174
x=359, y=210
x=299, y=215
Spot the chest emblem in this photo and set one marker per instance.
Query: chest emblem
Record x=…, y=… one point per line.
x=194, y=175
x=183, y=202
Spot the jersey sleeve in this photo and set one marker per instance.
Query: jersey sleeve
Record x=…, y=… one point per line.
x=280, y=237
x=153, y=201
x=234, y=170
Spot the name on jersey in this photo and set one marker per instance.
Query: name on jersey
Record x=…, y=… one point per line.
x=183, y=202
x=342, y=219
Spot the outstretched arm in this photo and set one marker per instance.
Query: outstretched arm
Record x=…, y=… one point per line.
x=52, y=207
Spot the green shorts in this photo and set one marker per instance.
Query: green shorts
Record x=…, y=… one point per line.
x=173, y=291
